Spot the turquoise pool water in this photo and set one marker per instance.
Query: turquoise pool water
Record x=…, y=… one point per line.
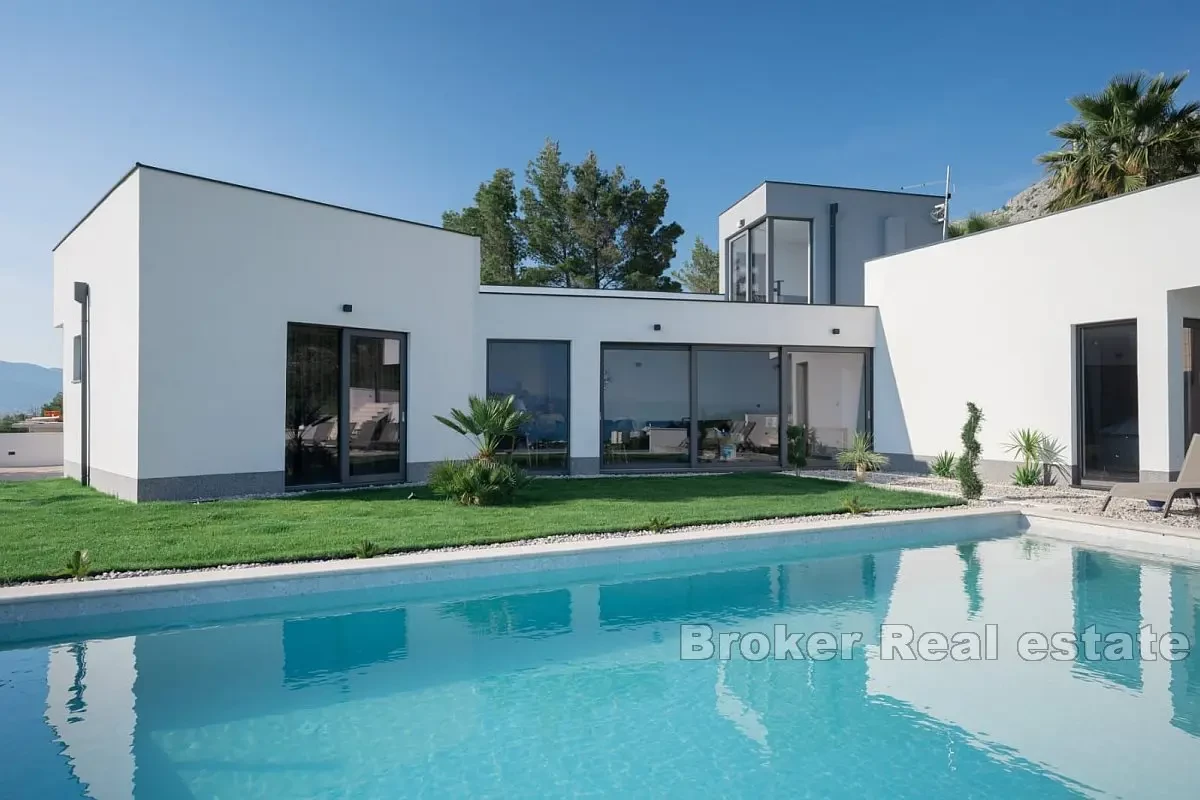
x=577, y=688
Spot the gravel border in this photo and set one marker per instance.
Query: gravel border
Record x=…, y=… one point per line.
x=1085, y=502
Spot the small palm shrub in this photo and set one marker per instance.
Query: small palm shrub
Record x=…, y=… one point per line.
x=968, y=462
x=488, y=422
x=367, y=549
x=477, y=482
x=79, y=565
x=1041, y=455
x=1027, y=475
x=852, y=505
x=658, y=524
x=860, y=457
x=943, y=464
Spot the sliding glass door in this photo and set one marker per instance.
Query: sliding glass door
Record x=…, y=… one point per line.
x=771, y=262
x=538, y=376
x=728, y=407
x=828, y=393
x=1108, y=401
x=344, y=406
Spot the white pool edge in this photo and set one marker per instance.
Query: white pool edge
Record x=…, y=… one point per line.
x=50, y=601
x=40, y=602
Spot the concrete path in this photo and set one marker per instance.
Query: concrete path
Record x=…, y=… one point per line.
x=29, y=473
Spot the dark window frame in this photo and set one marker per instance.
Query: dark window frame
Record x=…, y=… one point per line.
x=487, y=372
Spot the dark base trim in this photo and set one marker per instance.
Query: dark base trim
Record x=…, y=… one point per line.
x=990, y=470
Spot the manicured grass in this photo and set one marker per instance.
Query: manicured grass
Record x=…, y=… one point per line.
x=43, y=522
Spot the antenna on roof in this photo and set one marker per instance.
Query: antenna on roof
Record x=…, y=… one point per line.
x=940, y=212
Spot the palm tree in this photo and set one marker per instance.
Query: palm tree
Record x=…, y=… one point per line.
x=976, y=222
x=1129, y=136
x=488, y=422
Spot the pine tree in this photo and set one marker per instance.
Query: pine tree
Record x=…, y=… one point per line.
x=701, y=272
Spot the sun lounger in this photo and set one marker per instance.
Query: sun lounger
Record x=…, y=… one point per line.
x=1165, y=492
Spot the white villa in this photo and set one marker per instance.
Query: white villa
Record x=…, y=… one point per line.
x=225, y=340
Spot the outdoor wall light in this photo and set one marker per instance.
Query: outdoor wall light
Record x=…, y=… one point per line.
x=657, y=327
x=836, y=331
x=347, y=307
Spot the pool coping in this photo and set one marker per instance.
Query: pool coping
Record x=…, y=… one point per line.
x=508, y=558
x=40, y=602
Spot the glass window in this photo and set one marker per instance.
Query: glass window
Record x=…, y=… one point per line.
x=1108, y=401
x=739, y=261
x=538, y=375
x=791, y=259
x=311, y=454
x=737, y=406
x=758, y=263
x=646, y=406
x=77, y=359
x=373, y=435
x=827, y=394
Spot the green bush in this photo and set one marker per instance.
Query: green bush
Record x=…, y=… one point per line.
x=658, y=524
x=797, y=445
x=478, y=482
x=367, y=549
x=943, y=465
x=860, y=456
x=79, y=565
x=968, y=477
x=1039, y=453
x=1027, y=475
x=852, y=505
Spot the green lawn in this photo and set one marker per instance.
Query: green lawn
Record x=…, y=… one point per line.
x=43, y=522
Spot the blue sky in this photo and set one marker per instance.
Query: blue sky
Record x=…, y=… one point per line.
x=402, y=108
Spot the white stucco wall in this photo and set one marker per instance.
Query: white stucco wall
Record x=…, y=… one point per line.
x=869, y=224
x=588, y=321
x=43, y=449
x=224, y=269
x=103, y=251
x=990, y=318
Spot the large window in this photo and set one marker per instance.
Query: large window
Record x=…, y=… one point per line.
x=313, y=358
x=728, y=407
x=538, y=375
x=1108, y=405
x=771, y=262
x=737, y=406
x=791, y=259
x=375, y=386
x=344, y=406
x=646, y=406
x=827, y=394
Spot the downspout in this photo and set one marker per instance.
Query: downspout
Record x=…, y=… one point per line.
x=833, y=211
x=82, y=296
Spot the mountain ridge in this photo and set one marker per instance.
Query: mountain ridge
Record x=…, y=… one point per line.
x=27, y=387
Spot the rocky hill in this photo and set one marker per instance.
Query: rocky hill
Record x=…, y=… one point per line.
x=1028, y=203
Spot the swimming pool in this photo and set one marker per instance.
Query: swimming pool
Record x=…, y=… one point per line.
x=575, y=685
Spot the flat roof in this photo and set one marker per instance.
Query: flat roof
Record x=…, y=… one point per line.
x=139, y=165
x=830, y=186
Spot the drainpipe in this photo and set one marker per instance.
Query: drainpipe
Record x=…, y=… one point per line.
x=82, y=296
x=833, y=209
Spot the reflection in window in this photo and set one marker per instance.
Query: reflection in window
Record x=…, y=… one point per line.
x=320, y=648
x=827, y=394
x=791, y=259
x=646, y=406
x=375, y=383
x=758, y=263
x=1108, y=595
x=737, y=406
x=1108, y=398
x=538, y=376
x=739, y=263
x=533, y=615
x=312, y=405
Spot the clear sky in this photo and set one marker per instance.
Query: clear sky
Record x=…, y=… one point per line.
x=402, y=108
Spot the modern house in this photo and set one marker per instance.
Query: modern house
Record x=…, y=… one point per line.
x=243, y=342
x=229, y=341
